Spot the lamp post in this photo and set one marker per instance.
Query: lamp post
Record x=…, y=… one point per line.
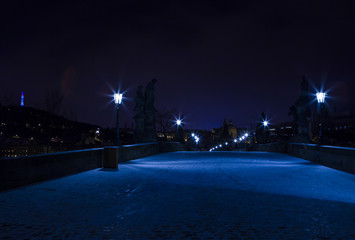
x=265, y=124
x=320, y=100
x=118, y=100
x=178, y=130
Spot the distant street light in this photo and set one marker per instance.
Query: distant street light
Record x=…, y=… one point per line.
x=117, y=97
x=320, y=100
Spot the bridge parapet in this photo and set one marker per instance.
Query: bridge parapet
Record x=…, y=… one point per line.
x=340, y=158
x=16, y=172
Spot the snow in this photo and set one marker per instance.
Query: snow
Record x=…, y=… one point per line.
x=188, y=195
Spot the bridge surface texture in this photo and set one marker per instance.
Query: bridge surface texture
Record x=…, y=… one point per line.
x=188, y=195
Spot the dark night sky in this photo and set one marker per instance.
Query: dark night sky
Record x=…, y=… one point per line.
x=213, y=59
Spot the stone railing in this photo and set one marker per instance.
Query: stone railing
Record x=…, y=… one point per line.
x=335, y=157
x=340, y=158
x=15, y=172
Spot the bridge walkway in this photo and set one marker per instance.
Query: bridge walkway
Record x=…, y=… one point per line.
x=188, y=195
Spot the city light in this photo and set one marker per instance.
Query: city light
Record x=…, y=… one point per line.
x=320, y=97
x=226, y=143
x=178, y=122
x=118, y=98
x=235, y=140
x=22, y=100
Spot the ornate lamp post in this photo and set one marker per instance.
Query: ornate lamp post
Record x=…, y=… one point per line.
x=179, y=133
x=320, y=100
x=118, y=100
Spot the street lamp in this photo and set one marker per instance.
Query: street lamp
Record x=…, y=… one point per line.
x=117, y=97
x=265, y=123
x=179, y=133
x=320, y=100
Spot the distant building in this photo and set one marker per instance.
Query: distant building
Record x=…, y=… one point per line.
x=27, y=131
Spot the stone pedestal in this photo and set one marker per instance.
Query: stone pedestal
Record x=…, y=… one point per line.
x=111, y=157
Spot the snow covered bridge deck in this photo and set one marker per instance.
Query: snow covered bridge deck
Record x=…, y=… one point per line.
x=188, y=195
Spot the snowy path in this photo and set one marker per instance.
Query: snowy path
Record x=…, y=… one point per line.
x=188, y=195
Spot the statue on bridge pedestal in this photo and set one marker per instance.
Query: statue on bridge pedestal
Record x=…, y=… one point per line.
x=302, y=115
x=145, y=130
x=139, y=117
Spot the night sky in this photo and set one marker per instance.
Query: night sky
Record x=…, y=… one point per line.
x=212, y=59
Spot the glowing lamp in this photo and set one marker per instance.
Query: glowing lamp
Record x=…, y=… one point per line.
x=178, y=122
x=118, y=98
x=320, y=97
x=265, y=123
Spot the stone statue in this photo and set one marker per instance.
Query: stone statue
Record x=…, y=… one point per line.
x=149, y=113
x=139, y=117
x=302, y=114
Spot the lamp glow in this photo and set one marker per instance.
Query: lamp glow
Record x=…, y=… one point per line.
x=178, y=122
x=320, y=97
x=265, y=123
x=118, y=98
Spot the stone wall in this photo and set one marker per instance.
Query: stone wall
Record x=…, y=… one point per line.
x=335, y=157
x=269, y=147
x=115, y=155
x=16, y=172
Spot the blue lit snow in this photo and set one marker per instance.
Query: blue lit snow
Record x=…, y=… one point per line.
x=184, y=195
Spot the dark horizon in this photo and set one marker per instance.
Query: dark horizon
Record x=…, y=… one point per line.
x=213, y=60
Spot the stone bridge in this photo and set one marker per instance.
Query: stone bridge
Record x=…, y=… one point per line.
x=188, y=195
